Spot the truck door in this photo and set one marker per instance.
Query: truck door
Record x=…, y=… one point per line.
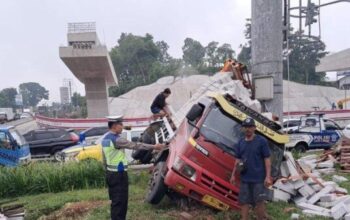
x=8, y=154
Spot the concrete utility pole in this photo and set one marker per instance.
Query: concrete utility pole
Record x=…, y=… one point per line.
x=267, y=54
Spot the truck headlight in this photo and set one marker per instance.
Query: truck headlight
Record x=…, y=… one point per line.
x=184, y=169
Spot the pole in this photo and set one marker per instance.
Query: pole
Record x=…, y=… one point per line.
x=267, y=49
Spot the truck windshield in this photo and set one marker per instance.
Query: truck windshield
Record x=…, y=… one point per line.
x=221, y=130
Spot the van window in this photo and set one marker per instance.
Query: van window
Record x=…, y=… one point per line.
x=43, y=135
x=19, y=138
x=4, y=141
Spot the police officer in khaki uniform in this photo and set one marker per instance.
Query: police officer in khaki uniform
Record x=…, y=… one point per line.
x=116, y=164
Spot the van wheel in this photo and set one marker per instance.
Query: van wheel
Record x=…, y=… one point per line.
x=156, y=186
x=57, y=156
x=300, y=148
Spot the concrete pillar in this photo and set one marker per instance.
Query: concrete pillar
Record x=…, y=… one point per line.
x=96, y=97
x=267, y=48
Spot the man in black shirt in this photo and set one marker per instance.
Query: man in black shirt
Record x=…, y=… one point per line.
x=158, y=105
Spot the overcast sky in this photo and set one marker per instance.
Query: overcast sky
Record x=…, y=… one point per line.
x=32, y=31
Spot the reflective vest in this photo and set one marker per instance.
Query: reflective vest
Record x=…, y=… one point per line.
x=115, y=159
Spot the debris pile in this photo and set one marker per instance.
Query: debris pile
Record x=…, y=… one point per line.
x=344, y=158
x=301, y=183
x=11, y=211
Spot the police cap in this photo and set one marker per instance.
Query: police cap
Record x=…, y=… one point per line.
x=115, y=119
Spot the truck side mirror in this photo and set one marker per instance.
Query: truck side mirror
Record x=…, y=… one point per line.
x=195, y=112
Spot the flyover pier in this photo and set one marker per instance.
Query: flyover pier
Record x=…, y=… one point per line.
x=90, y=62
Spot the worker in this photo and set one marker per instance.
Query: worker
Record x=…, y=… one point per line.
x=116, y=165
x=158, y=106
x=252, y=160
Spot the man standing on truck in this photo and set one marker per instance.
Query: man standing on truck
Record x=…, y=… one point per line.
x=116, y=165
x=159, y=104
x=253, y=163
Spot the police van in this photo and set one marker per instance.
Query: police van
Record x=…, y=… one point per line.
x=314, y=132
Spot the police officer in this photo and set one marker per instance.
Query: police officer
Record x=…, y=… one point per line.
x=116, y=164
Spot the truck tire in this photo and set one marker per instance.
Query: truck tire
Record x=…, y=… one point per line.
x=300, y=147
x=156, y=187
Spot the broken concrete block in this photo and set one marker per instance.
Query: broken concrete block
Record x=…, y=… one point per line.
x=311, y=213
x=298, y=184
x=306, y=191
x=347, y=216
x=328, y=198
x=305, y=166
x=326, y=164
x=322, y=192
x=291, y=164
x=309, y=157
x=312, y=207
x=339, y=210
x=330, y=183
x=286, y=187
x=316, y=187
x=295, y=216
x=284, y=169
x=340, y=189
x=315, y=173
x=339, y=179
x=279, y=195
x=327, y=204
x=326, y=170
x=300, y=199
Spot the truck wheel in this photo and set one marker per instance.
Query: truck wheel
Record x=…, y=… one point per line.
x=300, y=148
x=156, y=186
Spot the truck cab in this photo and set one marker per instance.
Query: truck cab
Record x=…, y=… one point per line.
x=14, y=150
x=314, y=132
x=199, y=160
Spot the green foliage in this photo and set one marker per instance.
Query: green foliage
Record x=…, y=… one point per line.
x=305, y=55
x=139, y=61
x=193, y=52
x=7, y=97
x=32, y=93
x=78, y=100
x=50, y=177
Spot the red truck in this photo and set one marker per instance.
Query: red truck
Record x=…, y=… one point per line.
x=199, y=160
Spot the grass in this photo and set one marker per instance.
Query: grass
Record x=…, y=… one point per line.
x=42, y=205
x=45, y=177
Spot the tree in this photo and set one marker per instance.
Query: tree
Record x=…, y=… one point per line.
x=210, y=52
x=138, y=60
x=245, y=55
x=133, y=57
x=32, y=93
x=8, y=97
x=225, y=52
x=304, y=56
x=78, y=100
x=163, y=49
x=193, y=53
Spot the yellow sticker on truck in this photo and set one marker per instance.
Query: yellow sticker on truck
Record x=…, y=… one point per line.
x=215, y=203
